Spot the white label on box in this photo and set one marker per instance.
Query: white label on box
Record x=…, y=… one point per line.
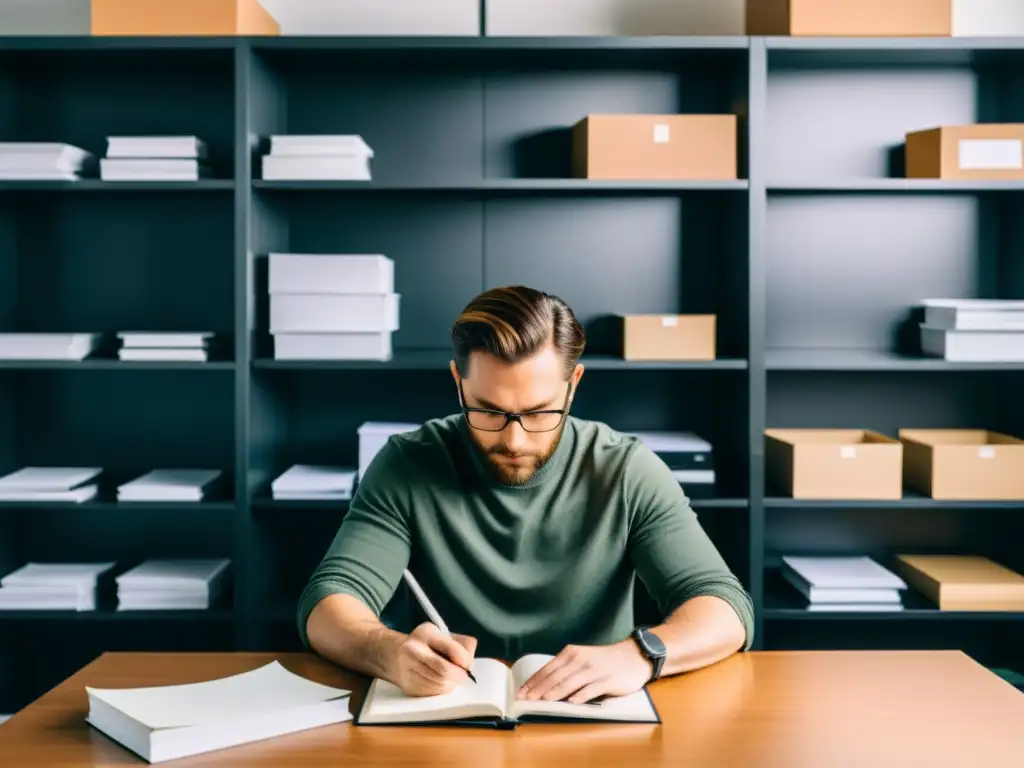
x=669, y=322
x=991, y=154
x=661, y=133
x=848, y=452
x=986, y=452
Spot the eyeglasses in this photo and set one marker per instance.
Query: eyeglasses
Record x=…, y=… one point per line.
x=489, y=420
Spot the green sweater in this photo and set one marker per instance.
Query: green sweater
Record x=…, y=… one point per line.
x=525, y=569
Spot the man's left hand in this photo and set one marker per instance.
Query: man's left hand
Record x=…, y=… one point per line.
x=581, y=673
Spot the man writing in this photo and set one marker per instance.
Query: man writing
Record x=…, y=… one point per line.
x=527, y=527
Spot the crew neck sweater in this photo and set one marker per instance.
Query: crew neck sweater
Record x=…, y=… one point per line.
x=528, y=568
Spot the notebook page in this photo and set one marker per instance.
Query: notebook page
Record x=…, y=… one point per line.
x=492, y=681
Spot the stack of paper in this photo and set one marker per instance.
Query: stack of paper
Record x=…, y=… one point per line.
x=52, y=587
x=154, y=158
x=844, y=583
x=42, y=161
x=688, y=456
x=50, y=484
x=973, y=330
x=169, y=722
x=161, y=585
x=332, y=306
x=161, y=346
x=308, y=482
x=47, y=346
x=336, y=158
x=170, y=485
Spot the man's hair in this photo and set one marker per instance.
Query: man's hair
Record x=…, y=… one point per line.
x=513, y=323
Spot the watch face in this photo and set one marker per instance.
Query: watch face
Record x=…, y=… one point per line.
x=653, y=643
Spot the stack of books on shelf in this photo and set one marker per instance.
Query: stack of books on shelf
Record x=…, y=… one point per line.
x=52, y=587
x=341, y=157
x=182, y=485
x=166, y=584
x=160, y=346
x=688, y=456
x=973, y=330
x=48, y=346
x=50, y=484
x=847, y=583
x=154, y=158
x=374, y=435
x=332, y=307
x=42, y=161
x=314, y=483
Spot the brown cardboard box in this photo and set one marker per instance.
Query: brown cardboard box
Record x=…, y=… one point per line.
x=854, y=18
x=834, y=463
x=630, y=147
x=982, y=151
x=971, y=464
x=668, y=337
x=963, y=582
x=182, y=17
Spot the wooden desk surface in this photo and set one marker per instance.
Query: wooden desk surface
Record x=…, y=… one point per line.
x=756, y=710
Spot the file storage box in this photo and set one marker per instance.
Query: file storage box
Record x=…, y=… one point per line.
x=333, y=313
x=982, y=151
x=963, y=582
x=834, y=464
x=668, y=337
x=330, y=273
x=853, y=18
x=963, y=464
x=182, y=17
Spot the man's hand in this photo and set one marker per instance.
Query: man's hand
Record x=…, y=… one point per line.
x=421, y=663
x=580, y=673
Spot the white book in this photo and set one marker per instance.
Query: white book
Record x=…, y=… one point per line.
x=316, y=168
x=158, y=355
x=165, y=339
x=822, y=595
x=843, y=572
x=314, y=479
x=172, y=479
x=333, y=346
x=47, y=346
x=172, y=721
x=330, y=273
x=160, y=572
x=334, y=313
x=156, y=169
x=78, y=495
x=343, y=145
x=77, y=575
x=973, y=346
x=54, y=155
x=156, y=147
x=974, y=314
x=859, y=607
x=48, y=479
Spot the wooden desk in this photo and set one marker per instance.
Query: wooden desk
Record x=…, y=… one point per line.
x=756, y=710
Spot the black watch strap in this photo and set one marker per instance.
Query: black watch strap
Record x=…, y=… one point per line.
x=651, y=646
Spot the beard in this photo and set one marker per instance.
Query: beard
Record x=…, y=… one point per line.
x=525, y=465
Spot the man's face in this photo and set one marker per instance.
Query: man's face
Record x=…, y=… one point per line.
x=538, y=383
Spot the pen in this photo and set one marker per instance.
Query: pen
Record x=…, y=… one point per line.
x=429, y=609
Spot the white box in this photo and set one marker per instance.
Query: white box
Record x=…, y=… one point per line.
x=330, y=273
x=616, y=17
x=973, y=346
x=974, y=314
x=333, y=346
x=376, y=17
x=333, y=313
x=981, y=18
x=373, y=435
x=45, y=17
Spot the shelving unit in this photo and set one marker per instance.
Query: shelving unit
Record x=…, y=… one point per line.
x=810, y=261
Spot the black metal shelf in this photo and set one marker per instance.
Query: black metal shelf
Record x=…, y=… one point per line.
x=511, y=186
x=211, y=615
x=98, y=185
x=871, y=360
x=910, y=500
x=102, y=364
x=891, y=186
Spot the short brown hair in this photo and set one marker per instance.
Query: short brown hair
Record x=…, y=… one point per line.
x=514, y=322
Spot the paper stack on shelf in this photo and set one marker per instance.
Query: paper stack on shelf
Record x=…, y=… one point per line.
x=50, y=484
x=332, y=306
x=844, y=583
x=47, y=346
x=313, y=483
x=151, y=346
x=340, y=157
x=42, y=161
x=52, y=587
x=688, y=456
x=188, y=485
x=374, y=435
x=163, y=584
x=154, y=158
x=973, y=330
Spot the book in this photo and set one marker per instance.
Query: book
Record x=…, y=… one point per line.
x=491, y=702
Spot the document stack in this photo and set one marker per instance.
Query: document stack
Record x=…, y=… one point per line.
x=314, y=483
x=374, y=435
x=318, y=158
x=183, y=485
x=154, y=158
x=844, y=583
x=42, y=161
x=47, y=346
x=163, y=585
x=332, y=307
x=152, y=346
x=973, y=330
x=52, y=587
x=688, y=456
x=50, y=484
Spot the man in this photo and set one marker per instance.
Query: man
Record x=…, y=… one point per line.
x=526, y=527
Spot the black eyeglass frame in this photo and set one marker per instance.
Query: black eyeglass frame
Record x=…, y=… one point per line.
x=510, y=417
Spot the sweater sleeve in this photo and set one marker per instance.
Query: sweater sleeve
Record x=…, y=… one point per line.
x=672, y=554
x=371, y=549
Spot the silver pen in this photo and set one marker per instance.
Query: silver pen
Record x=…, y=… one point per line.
x=430, y=610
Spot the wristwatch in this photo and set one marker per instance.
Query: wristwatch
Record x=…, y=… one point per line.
x=651, y=647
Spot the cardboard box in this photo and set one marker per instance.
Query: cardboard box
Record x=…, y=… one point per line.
x=182, y=18
x=963, y=582
x=853, y=18
x=630, y=147
x=834, y=463
x=966, y=464
x=982, y=151
x=668, y=337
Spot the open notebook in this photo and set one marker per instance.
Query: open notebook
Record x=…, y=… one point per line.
x=491, y=701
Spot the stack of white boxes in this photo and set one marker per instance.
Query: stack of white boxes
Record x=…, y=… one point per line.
x=332, y=307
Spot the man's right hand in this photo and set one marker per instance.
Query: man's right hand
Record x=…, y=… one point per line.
x=421, y=664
